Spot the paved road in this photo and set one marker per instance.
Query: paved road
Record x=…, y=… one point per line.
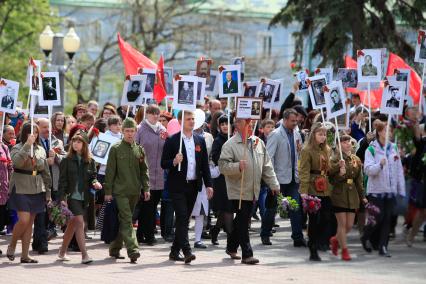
x=279, y=263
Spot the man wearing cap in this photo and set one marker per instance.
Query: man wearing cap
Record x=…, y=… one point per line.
x=125, y=178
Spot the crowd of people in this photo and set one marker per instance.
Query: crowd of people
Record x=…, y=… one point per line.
x=227, y=168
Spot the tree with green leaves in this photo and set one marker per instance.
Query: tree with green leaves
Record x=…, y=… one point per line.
x=21, y=22
x=338, y=25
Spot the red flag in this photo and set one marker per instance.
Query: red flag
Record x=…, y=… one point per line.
x=159, y=90
x=375, y=95
x=396, y=62
x=133, y=59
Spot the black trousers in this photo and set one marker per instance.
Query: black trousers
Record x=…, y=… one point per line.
x=383, y=220
x=166, y=218
x=4, y=216
x=183, y=202
x=147, y=215
x=40, y=232
x=319, y=223
x=239, y=235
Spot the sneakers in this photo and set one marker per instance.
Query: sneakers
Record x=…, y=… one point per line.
x=86, y=260
x=63, y=257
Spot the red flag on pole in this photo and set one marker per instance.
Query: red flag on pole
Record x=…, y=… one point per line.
x=133, y=59
x=375, y=95
x=159, y=90
x=396, y=62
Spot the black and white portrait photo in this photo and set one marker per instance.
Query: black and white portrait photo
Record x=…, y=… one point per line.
x=255, y=108
x=150, y=81
x=316, y=92
x=266, y=92
x=168, y=80
x=51, y=95
x=34, y=77
x=420, y=55
x=301, y=78
x=251, y=89
x=369, y=66
x=393, y=98
x=185, y=91
x=9, y=91
x=201, y=89
x=348, y=76
x=335, y=99
x=133, y=90
x=328, y=73
x=100, y=149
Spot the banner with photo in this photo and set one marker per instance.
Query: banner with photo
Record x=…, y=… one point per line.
x=185, y=90
x=9, y=91
x=100, y=147
x=335, y=99
x=393, y=97
x=268, y=91
x=51, y=89
x=133, y=90
x=249, y=108
x=229, y=81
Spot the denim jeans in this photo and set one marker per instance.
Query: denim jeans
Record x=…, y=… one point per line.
x=292, y=190
x=267, y=213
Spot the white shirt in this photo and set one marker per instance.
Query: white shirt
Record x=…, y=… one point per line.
x=190, y=154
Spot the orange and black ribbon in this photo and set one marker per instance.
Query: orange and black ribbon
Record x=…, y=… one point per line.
x=3, y=83
x=221, y=68
x=360, y=53
x=325, y=88
x=177, y=77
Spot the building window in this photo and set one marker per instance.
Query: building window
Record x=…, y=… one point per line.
x=267, y=46
x=237, y=44
x=97, y=33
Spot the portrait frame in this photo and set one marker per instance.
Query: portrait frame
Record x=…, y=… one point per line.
x=334, y=109
x=181, y=103
x=327, y=72
x=37, y=77
x=242, y=63
x=365, y=73
x=348, y=76
x=303, y=83
x=403, y=75
x=343, y=125
x=127, y=90
x=268, y=101
x=52, y=77
x=168, y=84
x=235, y=87
x=321, y=81
x=251, y=89
x=37, y=110
x=245, y=108
x=212, y=88
x=150, y=82
x=105, y=139
x=200, y=73
x=420, y=54
x=390, y=98
x=201, y=91
x=10, y=89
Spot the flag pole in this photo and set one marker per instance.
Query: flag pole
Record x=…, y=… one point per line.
x=181, y=134
x=49, y=108
x=229, y=118
x=338, y=138
x=369, y=107
x=387, y=134
x=32, y=121
x=421, y=88
x=245, y=159
x=322, y=115
x=2, y=126
x=128, y=110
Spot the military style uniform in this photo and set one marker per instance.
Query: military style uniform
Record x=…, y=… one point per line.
x=347, y=189
x=125, y=178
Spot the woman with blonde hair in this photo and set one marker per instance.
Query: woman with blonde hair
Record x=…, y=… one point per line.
x=77, y=176
x=313, y=174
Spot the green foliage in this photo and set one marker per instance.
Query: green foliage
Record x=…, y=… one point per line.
x=336, y=24
x=21, y=22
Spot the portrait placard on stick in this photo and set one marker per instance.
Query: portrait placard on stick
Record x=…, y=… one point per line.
x=249, y=108
x=100, y=147
x=185, y=92
x=204, y=68
x=133, y=90
x=37, y=110
x=335, y=99
x=9, y=91
x=251, y=89
x=241, y=62
x=393, y=98
x=268, y=92
x=348, y=76
x=369, y=65
x=229, y=81
x=327, y=72
x=51, y=90
x=201, y=89
x=212, y=88
x=168, y=80
x=150, y=81
x=316, y=91
x=34, y=76
x=420, y=55
x=403, y=75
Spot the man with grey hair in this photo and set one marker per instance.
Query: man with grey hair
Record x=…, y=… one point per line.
x=284, y=145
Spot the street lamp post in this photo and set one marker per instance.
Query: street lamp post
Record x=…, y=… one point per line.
x=58, y=45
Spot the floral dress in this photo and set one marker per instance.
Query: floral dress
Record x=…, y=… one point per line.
x=5, y=171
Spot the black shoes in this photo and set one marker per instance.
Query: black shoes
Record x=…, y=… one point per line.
x=299, y=243
x=200, y=245
x=383, y=251
x=214, y=233
x=266, y=241
x=250, y=260
x=205, y=236
x=233, y=255
x=175, y=257
x=188, y=258
x=151, y=242
x=366, y=245
x=134, y=257
x=313, y=253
